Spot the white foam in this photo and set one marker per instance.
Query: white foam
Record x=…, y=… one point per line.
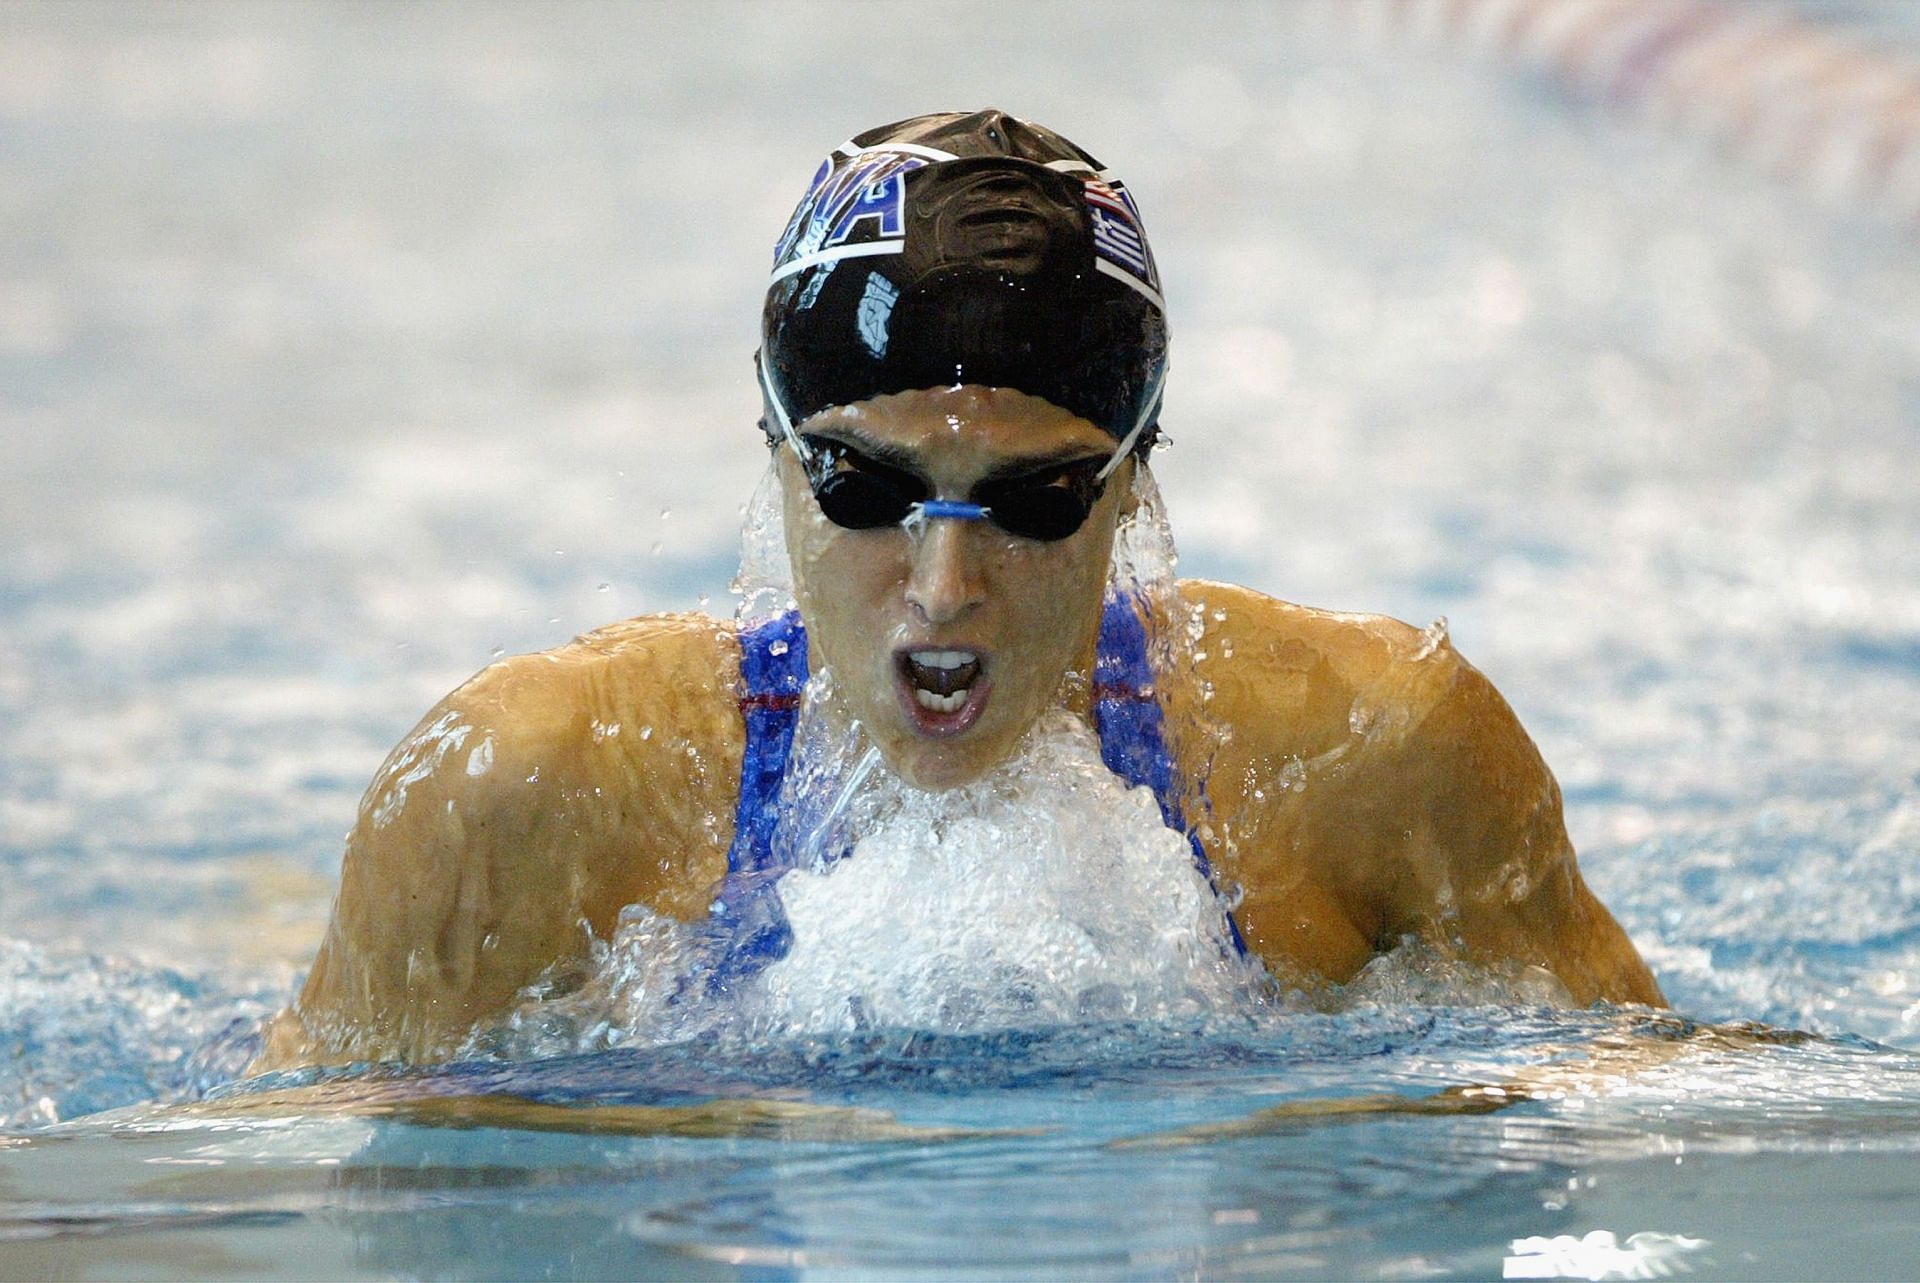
x=1046, y=892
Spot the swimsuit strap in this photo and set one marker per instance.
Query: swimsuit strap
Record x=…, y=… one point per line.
x=773, y=671
x=1132, y=724
x=748, y=928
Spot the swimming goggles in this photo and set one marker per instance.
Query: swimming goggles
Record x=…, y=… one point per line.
x=859, y=493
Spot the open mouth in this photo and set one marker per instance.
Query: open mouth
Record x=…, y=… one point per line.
x=943, y=690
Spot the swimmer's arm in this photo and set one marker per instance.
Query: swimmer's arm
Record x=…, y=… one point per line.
x=502, y=835
x=1484, y=861
x=457, y=888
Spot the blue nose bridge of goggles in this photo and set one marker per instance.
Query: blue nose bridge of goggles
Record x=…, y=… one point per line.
x=949, y=509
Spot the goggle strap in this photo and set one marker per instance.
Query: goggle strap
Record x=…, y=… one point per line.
x=1149, y=410
x=779, y=413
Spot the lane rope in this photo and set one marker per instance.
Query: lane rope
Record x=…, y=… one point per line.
x=1797, y=97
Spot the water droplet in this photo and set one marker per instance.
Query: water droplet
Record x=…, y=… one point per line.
x=656, y=549
x=665, y=513
x=1220, y=615
x=602, y=587
x=703, y=599
x=646, y=732
x=777, y=648
x=498, y=651
x=554, y=620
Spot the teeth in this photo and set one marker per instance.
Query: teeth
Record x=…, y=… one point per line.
x=941, y=658
x=941, y=703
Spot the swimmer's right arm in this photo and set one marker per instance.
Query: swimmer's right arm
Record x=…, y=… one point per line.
x=510, y=827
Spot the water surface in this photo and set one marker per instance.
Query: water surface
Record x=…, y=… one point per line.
x=343, y=349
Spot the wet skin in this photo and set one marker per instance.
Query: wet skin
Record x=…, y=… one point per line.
x=1026, y=611
x=1366, y=783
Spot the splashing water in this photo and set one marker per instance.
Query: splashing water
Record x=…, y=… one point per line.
x=764, y=582
x=1046, y=892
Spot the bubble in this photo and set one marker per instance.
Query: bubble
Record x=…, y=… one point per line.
x=1048, y=892
x=764, y=583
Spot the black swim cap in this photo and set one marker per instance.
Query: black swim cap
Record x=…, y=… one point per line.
x=965, y=248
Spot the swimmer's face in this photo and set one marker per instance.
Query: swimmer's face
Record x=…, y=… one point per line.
x=947, y=644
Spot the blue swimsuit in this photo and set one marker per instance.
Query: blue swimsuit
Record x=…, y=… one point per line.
x=748, y=928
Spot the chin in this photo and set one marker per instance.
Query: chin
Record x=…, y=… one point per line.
x=937, y=767
x=938, y=770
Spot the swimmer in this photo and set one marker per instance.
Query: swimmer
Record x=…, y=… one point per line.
x=962, y=354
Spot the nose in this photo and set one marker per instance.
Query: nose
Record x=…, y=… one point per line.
x=944, y=580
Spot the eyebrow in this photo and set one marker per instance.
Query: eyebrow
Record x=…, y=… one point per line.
x=874, y=451
x=1051, y=461
x=893, y=456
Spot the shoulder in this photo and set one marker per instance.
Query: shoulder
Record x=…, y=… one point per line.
x=1303, y=681
x=546, y=793
x=679, y=666
x=631, y=695
x=627, y=739
x=1363, y=761
x=1375, y=780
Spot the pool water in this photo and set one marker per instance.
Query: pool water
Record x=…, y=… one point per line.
x=342, y=350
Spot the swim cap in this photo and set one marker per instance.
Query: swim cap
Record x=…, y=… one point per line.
x=965, y=248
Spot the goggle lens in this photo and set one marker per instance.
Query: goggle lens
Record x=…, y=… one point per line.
x=863, y=495
x=860, y=500
x=1036, y=510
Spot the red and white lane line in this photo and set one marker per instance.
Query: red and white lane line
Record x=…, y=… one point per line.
x=1791, y=94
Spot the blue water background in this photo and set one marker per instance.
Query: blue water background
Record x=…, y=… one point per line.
x=344, y=348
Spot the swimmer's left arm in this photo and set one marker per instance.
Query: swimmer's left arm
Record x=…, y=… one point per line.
x=1489, y=866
